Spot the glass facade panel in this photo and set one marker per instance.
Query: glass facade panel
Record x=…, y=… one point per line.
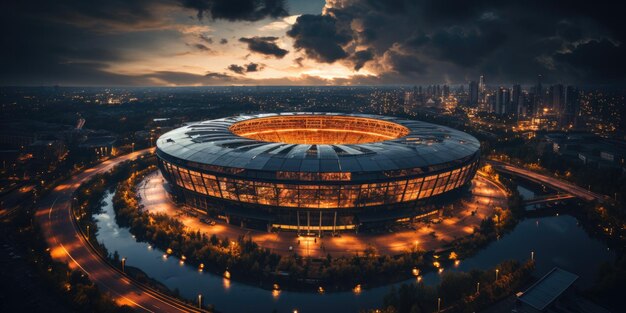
x=246, y=191
x=329, y=196
x=442, y=179
x=318, y=196
x=266, y=193
x=287, y=195
x=412, y=189
x=427, y=188
x=213, y=189
x=184, y=175
x=372, y=194
x=309, y=196
x=454, y=177
x=349, y=196
x=395, y=191
x=228, y=188
x=196, y=178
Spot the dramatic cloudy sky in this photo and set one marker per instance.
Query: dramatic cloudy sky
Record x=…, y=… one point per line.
x=301, y=42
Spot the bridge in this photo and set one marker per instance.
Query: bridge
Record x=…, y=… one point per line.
x=549, y=198
x=552, y=182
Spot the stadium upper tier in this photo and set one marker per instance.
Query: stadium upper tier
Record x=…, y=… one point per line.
x=317, y=146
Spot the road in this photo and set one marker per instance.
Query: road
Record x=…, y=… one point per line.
x=68, y=245
x=548, y=181
x=549, y=198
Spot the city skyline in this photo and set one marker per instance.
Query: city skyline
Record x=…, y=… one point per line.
x=349, y=42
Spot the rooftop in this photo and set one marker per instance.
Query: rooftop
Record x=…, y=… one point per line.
x=319, y=143
x=545, y=291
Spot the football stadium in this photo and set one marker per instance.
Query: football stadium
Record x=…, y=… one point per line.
x=314, y=172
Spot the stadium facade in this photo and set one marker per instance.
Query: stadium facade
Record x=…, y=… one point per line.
x=316, y=172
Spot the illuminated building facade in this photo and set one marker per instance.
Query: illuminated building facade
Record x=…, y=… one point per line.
x=315, y=172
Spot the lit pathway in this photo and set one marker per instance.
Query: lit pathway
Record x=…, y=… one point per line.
x=485, y=197
x=68, y=245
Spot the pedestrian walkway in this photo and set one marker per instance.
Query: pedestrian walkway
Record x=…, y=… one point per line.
x=426, y=236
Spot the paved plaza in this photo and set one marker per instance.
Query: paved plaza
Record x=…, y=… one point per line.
x=485, y=196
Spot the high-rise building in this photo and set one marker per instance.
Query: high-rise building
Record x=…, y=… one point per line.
x=445, y=91
x=503, y=100
x=481, y=84
x=473, y=94
x=516, y=100
x=538, y=96
x=557, y=96
x=409, y=101
x=572, y=107
x=526, y=108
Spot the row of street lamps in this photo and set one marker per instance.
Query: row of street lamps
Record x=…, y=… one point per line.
x=415, y=272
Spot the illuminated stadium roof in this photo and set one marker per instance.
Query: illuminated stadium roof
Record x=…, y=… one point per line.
x=317, y=142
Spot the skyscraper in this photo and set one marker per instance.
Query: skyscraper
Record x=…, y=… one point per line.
x=473, y=94
x=481, y=84
x=503, y=100
x=538, y=96
x=516, y=100
x=572, y=107
x=557, y=98
x=445, y=91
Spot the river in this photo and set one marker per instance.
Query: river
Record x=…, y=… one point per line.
x=556, y=241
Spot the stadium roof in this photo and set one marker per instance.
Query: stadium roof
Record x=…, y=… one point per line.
x=211, y=142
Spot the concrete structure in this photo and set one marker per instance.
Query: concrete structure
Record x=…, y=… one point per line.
x=555, y=293
x=544, y=293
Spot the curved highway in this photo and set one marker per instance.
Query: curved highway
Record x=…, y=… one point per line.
x=549, y=181
x=67, y=244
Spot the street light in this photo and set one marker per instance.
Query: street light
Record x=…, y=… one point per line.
x=123, y=265
x=532, y=255
x=438, y=304
x=200, y=301
x=478, y=287
x=497, y=272
x=87, y=232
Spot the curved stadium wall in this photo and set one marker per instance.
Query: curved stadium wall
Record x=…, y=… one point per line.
x=315, y=172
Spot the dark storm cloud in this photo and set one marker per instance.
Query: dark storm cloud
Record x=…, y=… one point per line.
x=405, y=63
x=299, y=61
x=319, y=37
x=264, y=45
x=436, y=40
x=237, y=10
x=403, y=41
x=596, y=60
x=246, y=68
x=236, y=69
x=75, y=41
x=201, y=47
x=253, y=67
x=217, y=75
x=466, y=47
x=206, y=38
x=361, y=57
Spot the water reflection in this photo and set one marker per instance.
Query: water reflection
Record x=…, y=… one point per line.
x=556, y=241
